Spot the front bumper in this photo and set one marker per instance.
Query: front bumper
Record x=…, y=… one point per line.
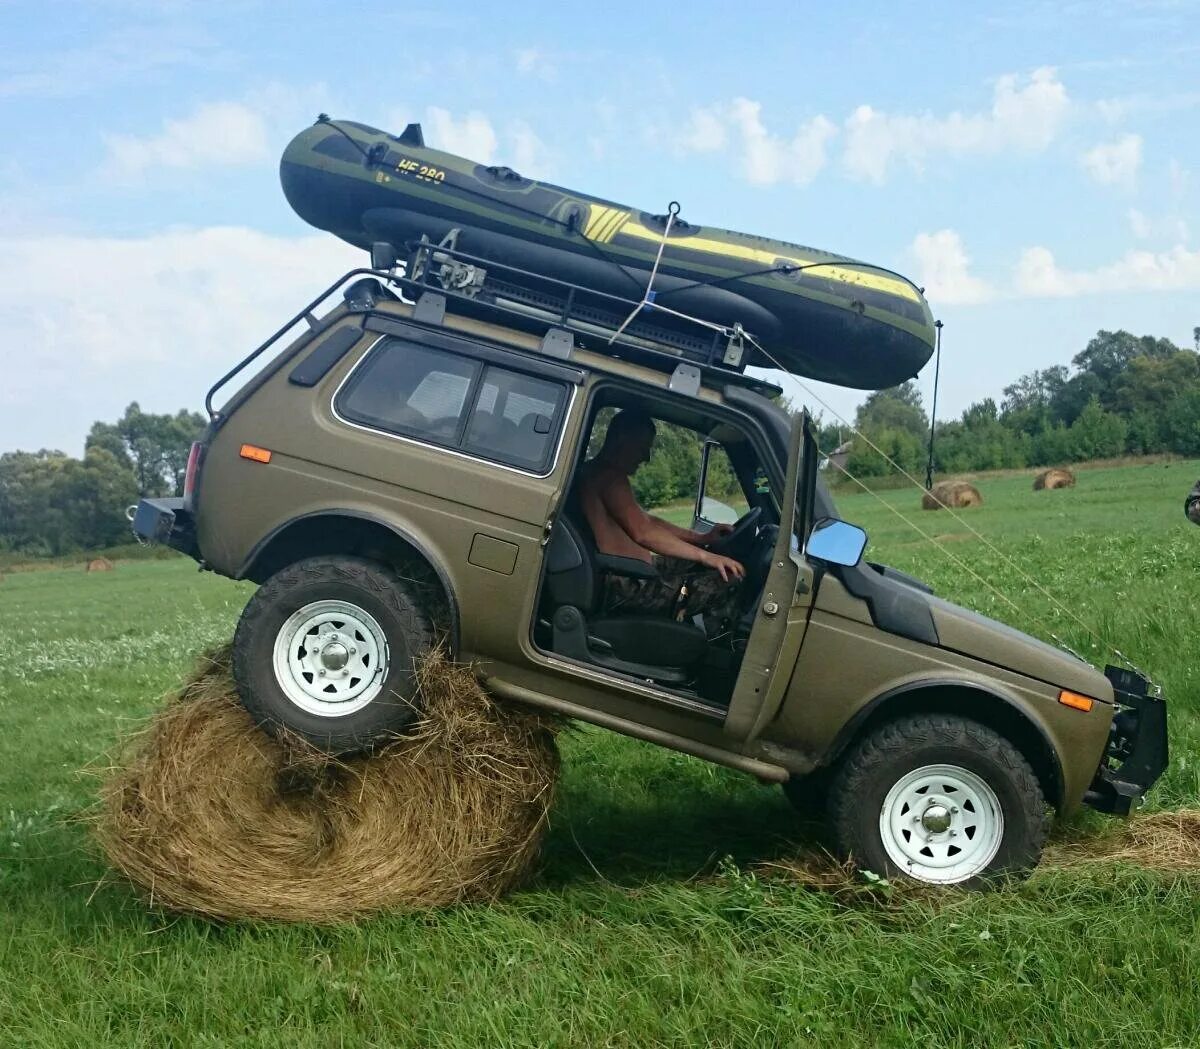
x=1136, y=754
x=166, y=521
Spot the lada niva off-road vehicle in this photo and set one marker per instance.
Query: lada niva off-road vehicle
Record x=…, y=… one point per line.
x=399, y=476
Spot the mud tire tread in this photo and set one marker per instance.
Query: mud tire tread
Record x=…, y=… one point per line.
x=867, y=772
x=401, y=616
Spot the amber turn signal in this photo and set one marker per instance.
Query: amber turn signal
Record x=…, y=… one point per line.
x=1075, y=701
x=255, y=453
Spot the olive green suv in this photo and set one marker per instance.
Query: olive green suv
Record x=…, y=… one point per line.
x=399, y=476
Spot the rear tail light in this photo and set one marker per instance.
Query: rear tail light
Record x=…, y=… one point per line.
x=193, y=468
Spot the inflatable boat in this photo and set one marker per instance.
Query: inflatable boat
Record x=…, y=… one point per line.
x=815, y=314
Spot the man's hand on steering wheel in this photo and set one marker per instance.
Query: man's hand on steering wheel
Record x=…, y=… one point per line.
x=718, y=531
x=737, y=538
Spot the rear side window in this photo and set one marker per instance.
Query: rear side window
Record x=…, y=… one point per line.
x=457, y=402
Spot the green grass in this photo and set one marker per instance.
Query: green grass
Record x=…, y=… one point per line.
x=637, y=931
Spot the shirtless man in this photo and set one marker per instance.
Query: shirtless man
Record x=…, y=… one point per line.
x=691, y=579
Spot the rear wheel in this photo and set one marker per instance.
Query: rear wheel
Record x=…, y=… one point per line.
x=939, y=799
x=327, y=647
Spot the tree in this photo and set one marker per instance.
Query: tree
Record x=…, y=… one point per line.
x=1151, y=383
x=31, y=517
x=897, y=408
x=156, y=446
x=51, y=503
x=1027, y=402
x=1109, y=352
x=1096, y=434
x=93, y=494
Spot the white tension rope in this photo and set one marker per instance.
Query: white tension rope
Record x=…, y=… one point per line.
x=649, y=303
x=1054, y=602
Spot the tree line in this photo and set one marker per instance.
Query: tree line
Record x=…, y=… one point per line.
x=52, y=503
x=1121, y=395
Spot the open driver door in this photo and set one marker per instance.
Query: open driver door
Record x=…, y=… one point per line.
x=784, y=605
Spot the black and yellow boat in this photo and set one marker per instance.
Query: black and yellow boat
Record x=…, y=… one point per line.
x=819, y=315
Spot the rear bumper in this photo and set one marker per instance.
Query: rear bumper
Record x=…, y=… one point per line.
x=1136, y=754
x=166, y=521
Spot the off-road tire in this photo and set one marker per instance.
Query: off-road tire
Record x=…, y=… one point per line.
x=368, y=585
x=897, y=749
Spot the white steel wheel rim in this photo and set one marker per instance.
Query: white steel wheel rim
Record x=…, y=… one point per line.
x=331, y=658
x=941, y=824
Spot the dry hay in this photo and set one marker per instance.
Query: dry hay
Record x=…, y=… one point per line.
x=209, y=815
x=100, y=564
x=955, y=494
x=1053, y=478
x=1163, y=842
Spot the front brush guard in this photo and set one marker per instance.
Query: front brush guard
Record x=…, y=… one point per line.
x=1136, y=754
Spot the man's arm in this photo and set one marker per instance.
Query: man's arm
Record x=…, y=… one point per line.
x=647, y=531
x=689, y=535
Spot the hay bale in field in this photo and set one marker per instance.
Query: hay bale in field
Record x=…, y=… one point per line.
x=207, y=814
x=100, y=564
x=955, y=494
x=1053, y=478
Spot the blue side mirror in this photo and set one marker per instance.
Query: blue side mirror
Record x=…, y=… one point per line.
x=836, y=542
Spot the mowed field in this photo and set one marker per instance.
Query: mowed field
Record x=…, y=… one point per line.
x=657, y=918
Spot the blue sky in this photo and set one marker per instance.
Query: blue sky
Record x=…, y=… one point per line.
x=1035, y=165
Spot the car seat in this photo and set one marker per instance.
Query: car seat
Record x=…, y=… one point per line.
x=647, y=646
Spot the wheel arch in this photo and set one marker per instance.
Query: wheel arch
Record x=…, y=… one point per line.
x=357, y=532
x=990, y=707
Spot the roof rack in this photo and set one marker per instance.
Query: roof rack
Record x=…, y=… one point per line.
x=586, y=313
x=480, y=287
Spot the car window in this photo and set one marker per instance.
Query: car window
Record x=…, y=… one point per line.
x=723, y=501
x=410, y=389
x=456, y=401
x=514, y=418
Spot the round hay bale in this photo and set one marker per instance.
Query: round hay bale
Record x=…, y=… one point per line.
x=1053, y=478
x=954, y=494
x=100, y=564
x=209, y=815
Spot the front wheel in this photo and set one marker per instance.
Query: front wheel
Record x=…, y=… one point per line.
x=938, y=799
x=327, y=647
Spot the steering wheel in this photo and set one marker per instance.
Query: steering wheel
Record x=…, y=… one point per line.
x=744, y=529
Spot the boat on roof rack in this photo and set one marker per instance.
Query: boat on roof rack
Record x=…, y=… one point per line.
x=491, y=238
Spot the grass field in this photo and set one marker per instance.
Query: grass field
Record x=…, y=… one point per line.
x=654, y=920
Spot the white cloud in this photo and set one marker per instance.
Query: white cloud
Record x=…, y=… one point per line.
x=1024, y=116
x=705, y=131
x=529, y=154
x=1166, y=227
x=470, y=136
x=765, y=159
x=1115, y=110
x=1115, y=163
x=218, y=133
x=135, y=53
x=473, y=135
x=153, y=318
x=943, y=269
x=230, y=132
x=1039, y=275
x=532, y=61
